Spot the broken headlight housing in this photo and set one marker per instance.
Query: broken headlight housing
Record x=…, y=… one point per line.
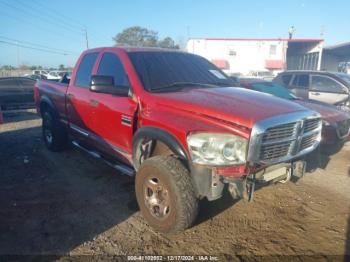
x=217, y=149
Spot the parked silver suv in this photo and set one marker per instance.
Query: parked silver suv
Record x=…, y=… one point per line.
x=329, y=87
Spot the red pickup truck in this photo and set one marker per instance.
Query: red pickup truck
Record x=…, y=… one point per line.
x=174, y=121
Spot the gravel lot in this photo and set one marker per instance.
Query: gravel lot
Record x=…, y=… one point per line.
x=69, y=203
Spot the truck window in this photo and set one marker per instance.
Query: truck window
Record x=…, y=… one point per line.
x=111, y=65
x=301, y=81
x=286, y=79
x=83, y=76
x=162, y=69
x=325, y=84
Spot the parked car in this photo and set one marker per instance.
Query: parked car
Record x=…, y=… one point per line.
x=16, y=92
x=172, y=119
x=328, y=87
x=336, y=123
x=40, y=72
x=37, y=77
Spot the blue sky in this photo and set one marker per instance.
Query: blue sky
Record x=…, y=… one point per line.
x=59, y=24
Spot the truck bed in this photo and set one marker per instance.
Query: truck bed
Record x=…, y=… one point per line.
x=57, y=93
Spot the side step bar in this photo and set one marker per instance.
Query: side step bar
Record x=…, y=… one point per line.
x=124, y=169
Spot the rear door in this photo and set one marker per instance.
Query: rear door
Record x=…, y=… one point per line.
x=300, y=85
x=79, y=96
x=326, y=89
x=113, y=116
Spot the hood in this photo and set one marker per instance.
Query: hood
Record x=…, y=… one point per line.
x=236, y=105
x=328, y=112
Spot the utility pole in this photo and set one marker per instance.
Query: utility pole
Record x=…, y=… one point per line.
x=17, y=54
x=86, y=38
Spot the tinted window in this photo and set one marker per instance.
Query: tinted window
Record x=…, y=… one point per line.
x=112, y=66
x=273, y=89
x=160, y=70
x=286, y=79
x=84, y=71
x=325, y=84
x=301, y=81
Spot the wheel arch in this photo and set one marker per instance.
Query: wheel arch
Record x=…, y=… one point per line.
x=46, y=102
x=150, y=141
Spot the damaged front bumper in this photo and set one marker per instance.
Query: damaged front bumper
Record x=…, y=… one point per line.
x=211, y=185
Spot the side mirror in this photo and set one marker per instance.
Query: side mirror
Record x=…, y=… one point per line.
x=105, y=84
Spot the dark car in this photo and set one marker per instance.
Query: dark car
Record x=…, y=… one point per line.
x=16, y=92
x=336, y=123
x=328, y=87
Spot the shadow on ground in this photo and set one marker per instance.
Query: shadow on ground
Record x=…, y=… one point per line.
x=12, y=117
x=52, y=202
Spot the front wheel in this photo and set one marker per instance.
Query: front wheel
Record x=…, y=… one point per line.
x=165, y=194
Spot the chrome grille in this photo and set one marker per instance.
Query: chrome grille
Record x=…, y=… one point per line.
x=285, y=141
x=308, y=141
x=274, y=151
x=311, y=125
x=280, y=132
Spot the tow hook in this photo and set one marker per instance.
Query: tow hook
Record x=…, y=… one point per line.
x=250, y=188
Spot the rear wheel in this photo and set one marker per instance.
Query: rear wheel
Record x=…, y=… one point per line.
x=54, y=135
x=165, y=194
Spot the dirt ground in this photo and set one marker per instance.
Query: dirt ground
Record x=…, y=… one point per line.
x=71, y=204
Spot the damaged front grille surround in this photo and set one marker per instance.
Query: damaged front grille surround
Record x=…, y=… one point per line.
x=282, y=138
x=343, y=128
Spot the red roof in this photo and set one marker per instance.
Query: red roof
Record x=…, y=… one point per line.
x=274, y=64
x=221, y=63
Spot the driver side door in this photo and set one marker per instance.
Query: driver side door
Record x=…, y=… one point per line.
x=112, y=116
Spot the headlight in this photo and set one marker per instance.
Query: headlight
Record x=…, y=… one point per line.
x=217, y=149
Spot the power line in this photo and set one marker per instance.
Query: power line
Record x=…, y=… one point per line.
x=50, y=16
x=38, y=45
x=58, y=14
x=40, y=17
x=33, y=48
x=36, y=27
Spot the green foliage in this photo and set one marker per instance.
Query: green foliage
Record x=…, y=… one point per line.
x=142, y=37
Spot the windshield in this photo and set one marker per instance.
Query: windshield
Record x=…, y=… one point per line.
x=163, y=71
x=273, y=89
x=345, y=77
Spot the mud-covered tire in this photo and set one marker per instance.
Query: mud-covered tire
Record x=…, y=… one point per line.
x=54, y=135
x=183, y=204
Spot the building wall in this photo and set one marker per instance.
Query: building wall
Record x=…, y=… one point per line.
x=330, y=62
x=243, y=56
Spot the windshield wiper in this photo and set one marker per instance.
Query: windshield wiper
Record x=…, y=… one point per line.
x=179, y=86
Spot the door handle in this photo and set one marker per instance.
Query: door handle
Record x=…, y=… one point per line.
x=94, y=102
x=315, y=93
x=70, y=96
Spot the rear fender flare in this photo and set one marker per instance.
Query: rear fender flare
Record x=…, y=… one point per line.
x=45, y=100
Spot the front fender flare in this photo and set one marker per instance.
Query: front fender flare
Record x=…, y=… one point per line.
x=154, y=133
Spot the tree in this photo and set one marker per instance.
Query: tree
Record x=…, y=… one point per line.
x=139, y=36
x=136, y=36
x=168, y=42
x=61, y=67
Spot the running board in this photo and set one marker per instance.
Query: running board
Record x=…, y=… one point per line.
x=120, y=167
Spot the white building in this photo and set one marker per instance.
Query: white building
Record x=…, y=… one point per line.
x=244, y=56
